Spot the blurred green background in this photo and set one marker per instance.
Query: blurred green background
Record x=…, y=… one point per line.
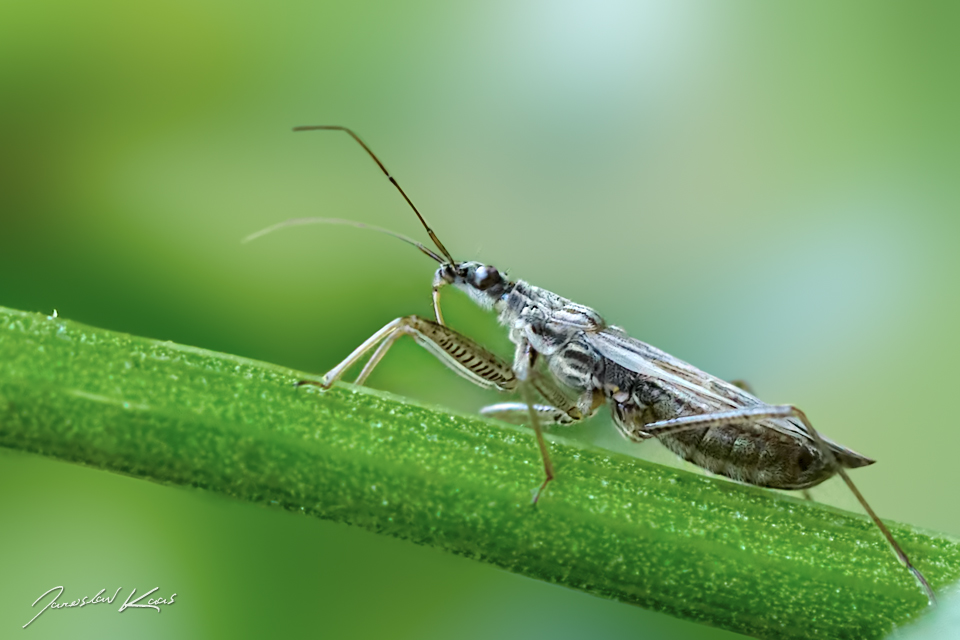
x=769, y=192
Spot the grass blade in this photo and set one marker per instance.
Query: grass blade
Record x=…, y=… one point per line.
x=697, y=547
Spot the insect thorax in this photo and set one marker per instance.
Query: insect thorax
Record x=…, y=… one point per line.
x=526, y=304
x=554, y=327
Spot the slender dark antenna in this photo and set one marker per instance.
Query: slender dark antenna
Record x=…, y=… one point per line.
x=336, y=127
x=293, y=222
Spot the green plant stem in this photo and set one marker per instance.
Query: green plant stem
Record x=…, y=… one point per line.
x=697, y=547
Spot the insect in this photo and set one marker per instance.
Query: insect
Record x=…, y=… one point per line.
x=568, y=363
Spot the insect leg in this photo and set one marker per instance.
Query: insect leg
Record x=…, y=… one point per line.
x=376, y=357
x=518, y=413
x=460, y=353
x=560, y=409
x=525, y=391
x=667, y=427
x=524, y=366
x=337, y=372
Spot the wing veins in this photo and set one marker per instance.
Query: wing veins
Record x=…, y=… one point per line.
x=644, y=359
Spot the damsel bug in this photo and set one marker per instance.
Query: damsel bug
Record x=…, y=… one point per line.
x=573, y=362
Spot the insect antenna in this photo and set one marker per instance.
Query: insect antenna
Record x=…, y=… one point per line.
x=294, y=222
x=335, y=127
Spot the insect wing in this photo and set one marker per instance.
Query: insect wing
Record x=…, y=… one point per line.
x=702, y=392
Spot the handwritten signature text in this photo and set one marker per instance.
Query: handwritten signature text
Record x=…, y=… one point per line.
x=129, y=603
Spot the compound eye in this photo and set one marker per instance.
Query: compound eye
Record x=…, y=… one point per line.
x=485, y=277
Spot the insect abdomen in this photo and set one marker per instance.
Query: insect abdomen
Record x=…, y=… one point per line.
x=745, y=452
x=754, y=455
